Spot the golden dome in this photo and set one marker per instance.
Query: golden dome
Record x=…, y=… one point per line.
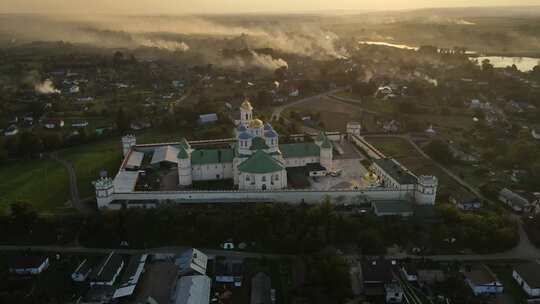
x=246, y=106
x=256, y=124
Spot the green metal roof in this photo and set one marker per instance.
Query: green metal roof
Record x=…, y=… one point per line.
x=182, y=153
x=300, y=150
x=184, y=143
x=258, y=143
x=396, y=171
x=211, y=156
x=260, y=162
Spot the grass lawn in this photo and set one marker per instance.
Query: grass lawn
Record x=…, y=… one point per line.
x=335, y=114
x=43, y=183
x=89, y=160
x=371, y=103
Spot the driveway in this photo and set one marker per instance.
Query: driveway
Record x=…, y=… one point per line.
x=352, y=176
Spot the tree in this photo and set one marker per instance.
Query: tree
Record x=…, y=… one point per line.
x=264, y=99
x=487, y=67
x=523, y=154
x=30, y=144
x=364, y=89
x=3, y=155
x=52, y=141
x=122, y=120
x=440, y=151
x=23, y=217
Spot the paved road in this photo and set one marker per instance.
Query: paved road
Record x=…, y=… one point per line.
x=354, y=102
x=276, y=114
x=174, y=250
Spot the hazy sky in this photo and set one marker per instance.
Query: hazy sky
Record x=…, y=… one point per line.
x=232, y=6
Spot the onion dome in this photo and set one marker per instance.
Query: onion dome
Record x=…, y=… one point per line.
x=246, y=106
x=256, y=124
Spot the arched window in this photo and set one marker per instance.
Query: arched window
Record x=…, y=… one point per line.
x=263, y=178
x=247, y=117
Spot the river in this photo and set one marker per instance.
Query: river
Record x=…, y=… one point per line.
x=524, y=64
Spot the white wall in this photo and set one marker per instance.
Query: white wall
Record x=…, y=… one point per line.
x=286, y=196
x=300, y=161
x=212, y=171
x=273, y=181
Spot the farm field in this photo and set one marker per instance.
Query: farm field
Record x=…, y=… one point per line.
x=335, y=114
x=43, y=183
x=371, y=103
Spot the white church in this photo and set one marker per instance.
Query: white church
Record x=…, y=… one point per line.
x=256, y=161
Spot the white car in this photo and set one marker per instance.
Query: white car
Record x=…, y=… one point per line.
x=336, y=173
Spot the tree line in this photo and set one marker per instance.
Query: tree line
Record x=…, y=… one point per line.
x=278, y=228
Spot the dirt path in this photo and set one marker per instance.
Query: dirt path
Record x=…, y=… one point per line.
x=76, y=201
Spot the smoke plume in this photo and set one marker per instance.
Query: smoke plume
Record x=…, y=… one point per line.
x=46, y=87
x=261, y=61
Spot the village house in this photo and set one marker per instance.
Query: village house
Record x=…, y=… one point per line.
x=261, y=289
x=482, y=280
x=131, y=277
x=53, y=123
x=192, y=262
x=229, y=271
x=79, y=124
x=465, y=201
x=379, y=280
x=208, y=118
x=423, y=272
x=527, y=276
x=192, y=290
x=29, y=265
x=536, y=133
x=11, y=130
x=519, y=201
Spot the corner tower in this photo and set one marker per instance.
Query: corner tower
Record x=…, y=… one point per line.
x=104, y=191
x=426, y=190
x=128, y=142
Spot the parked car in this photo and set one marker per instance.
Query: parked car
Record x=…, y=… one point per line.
x=336, y=173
